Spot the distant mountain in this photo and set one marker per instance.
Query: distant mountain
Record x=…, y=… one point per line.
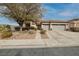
x=77, y=19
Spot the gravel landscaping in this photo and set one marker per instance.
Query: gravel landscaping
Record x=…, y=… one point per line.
x=22, y=35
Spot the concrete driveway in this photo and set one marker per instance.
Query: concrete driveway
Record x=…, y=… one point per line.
x=62, y=38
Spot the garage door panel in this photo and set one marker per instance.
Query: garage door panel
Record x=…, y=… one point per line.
x=58, y=27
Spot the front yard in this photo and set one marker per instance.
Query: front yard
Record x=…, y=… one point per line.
x=22, y=35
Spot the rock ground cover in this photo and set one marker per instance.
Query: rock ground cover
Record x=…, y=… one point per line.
x=22, y=35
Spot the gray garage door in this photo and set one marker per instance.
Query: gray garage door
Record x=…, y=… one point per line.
x=58, y=27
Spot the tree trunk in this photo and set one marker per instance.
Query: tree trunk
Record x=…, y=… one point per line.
x=20, y=22
x=20, y=28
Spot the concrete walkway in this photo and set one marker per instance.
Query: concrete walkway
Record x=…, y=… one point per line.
x=56, y=39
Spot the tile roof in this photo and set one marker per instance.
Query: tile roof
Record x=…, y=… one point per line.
x=54, y=21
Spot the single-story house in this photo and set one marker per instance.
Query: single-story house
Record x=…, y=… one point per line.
x=44, y=24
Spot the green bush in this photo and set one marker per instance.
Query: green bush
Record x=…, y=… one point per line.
x=43, y=31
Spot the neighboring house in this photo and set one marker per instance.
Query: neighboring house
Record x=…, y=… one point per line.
x=54, y=25
x=74, y=25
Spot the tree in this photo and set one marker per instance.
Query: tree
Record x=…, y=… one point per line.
x=24, y=12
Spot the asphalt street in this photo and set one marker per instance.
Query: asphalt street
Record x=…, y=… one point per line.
x=55, y=51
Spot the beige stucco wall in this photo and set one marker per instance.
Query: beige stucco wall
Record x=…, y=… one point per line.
x=74, y=24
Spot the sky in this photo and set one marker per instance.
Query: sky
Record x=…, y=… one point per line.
x=8, y=21
x=60, y=11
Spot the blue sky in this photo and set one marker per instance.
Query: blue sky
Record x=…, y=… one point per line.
x=60, y=11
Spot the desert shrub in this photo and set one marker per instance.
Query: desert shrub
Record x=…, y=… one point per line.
x=31, y=31
x=6, y=34
x=50, y=29
x=2, y=28
x=74, y=29
x=77, y=29
x=23, y=31
x=33, y=28
x=41, y=28
x=5, y=31
x=43, y=31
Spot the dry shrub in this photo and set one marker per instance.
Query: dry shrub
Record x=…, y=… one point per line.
x=31, y=31
x=74, y=29
x=43, y=31
x=5, y=31
x=6, y=35
x=33, y=28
